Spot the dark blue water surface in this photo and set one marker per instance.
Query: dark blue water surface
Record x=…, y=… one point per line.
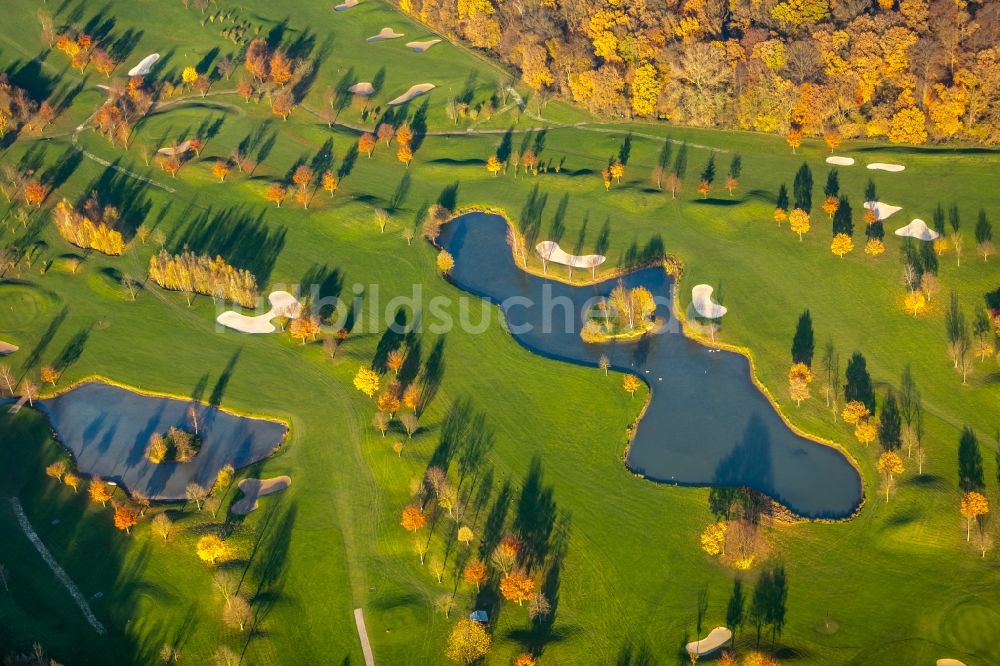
x=707, y=423
x=107, y=429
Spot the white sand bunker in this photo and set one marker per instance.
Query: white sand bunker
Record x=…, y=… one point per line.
x=7, y=348
x=345, y=5
x=146, y=64
x=701, y=299
x=420, y=47
x=550, y=251
x=918, y=229
x=385, y=33
x=363, y=88
x=949, y=662
x=881, y=210
x=179, y=149
x=414, y=91
x=715, y=639
x=841, y=161
x=882, y=166
x=254, y=488
x=283, y=304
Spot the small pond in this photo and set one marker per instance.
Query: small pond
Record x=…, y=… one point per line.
x=107, y=429
x=707, y=424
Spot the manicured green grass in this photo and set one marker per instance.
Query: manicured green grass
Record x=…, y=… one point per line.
x=897, y=580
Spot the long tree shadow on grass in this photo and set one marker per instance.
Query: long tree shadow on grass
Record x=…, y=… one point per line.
x=94, y=554
x=321, y=287
x=128, y=195
x=45, y=340
x=73, y=349
x=238, y=234
x=268, y=567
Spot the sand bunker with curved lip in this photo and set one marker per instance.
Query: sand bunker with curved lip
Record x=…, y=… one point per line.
x=283, y=304
x=881, y=210
x=362, y=88
x=947, y=661
x=918, y=229
x=7, y=348
x=179, y=149
x=414, y=91
x=883, y=166
x=385, y=33
x=345, y=5
x=146, y=64
x=840, y=161
x=715, y=639
x=420, y=47
x=255, y=488
x=550, y=251
x=701, y=299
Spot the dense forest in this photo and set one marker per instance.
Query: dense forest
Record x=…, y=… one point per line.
x=909, y=71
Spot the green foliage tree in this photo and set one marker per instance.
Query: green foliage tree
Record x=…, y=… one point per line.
x=890, y=429
x=803, y=345
x=970, y=462
x=842, y=222
x=859, y=382
x=832, y=187
x=802, y=188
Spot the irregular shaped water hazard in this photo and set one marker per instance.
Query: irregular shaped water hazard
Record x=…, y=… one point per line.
x=107, y=429
x=707, y=424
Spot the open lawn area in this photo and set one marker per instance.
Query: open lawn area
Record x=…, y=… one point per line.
x=619, y=557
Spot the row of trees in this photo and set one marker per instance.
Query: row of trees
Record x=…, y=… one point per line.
x=91, y=229
x=192, y=273
x=907, y=71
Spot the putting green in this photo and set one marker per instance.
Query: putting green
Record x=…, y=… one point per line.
x=21, y=304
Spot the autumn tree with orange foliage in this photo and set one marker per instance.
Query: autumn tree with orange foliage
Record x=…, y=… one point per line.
x=276, y=193
x=35, y=193
x=367, y=143
x=517, y=586
x=974, y=505
x=329, y=182
x=794, y=138
x=631, y=384
x=50, y=375
x=220, y=170
x=303, y=176
x=99, y=491
x=126, y=518
x=404, y=154
x=475, y=574
x=413, y=518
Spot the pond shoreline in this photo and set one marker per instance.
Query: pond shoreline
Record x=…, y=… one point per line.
x=789, y=513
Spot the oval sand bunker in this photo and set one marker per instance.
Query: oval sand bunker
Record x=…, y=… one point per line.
x=414, y=91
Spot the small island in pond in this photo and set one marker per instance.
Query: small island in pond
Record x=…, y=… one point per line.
x=624, y=314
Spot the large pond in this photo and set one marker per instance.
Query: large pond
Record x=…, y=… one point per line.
x=107, y=429
x=707, y=424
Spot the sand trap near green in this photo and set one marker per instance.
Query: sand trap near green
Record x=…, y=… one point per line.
x=420, y=47
x=7, y=348
x=172, y=151
x=550, y=251
x=701, y=299
x=384, y=33
x=362, y=88
x=918, y=229
x=883, y=166
x=840, y=161
x=283, y=304
x=344, y=6
x=144, y=65
x=882, y=210
x=414, y=91
x=715, y=639
x=256, y=488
